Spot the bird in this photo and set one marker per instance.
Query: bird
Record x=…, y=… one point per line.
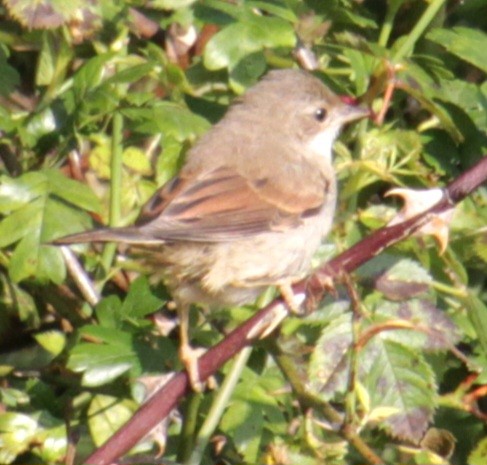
x=252, y=203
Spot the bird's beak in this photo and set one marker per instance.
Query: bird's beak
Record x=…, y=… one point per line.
x=347, y=113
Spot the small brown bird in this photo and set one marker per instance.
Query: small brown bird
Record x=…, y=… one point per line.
x=252, y=203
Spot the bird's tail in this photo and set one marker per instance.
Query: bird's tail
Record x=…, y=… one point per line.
x=128, y=235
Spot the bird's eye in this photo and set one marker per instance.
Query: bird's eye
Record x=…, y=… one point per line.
x=320, y=114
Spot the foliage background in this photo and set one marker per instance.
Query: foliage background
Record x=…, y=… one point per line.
x=99, y=102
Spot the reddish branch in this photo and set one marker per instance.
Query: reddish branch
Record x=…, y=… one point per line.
x=164, y=400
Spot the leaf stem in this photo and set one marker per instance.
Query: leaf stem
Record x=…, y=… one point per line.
x=388, y=22
x=189, y=427
x=115, y=185
x=220, y=403
x=408, y=45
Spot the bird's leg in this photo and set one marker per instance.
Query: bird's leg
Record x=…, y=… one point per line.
x=292, y=300
x=187, y=354
x=291, y=304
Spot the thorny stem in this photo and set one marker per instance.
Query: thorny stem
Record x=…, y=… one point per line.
x=164, y=400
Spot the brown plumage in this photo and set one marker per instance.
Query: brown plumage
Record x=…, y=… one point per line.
x=253, y=201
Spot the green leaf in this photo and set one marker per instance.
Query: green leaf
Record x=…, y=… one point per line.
x=405, y=279
x=397, y=378
x=16, y=432
x=477, y=311
x=247, y=71
x=131, y=74
x=110, y=336
x=328, y=367
x=9, y=77
x=170, y=161
x=52, y=341
x=470, y=97
x=281, y=10
x=466, y=43
x=244, y=422
x=38, y=216
x=89, y=76
x=479, y=455
x=140, y=300
x=136, y=159
x=171, y=4
x=106, y=415
x=44, y=14
x=39, y=125
x=252, y=34
x=108, y=312
x=431, y=329
x=168, y=118
x=16, y=192
x=47, y=60
x=436, y=109
x=73, y=192
x=102, y=363
x=22, y=222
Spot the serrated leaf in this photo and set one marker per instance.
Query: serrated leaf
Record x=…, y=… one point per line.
x=405, y=279
x=140, y=300
x=106, y=414
x=466, y=43
x=328, y=368
x=385, y=155
x=43, y=14
x=398, y=378
x=431, y=328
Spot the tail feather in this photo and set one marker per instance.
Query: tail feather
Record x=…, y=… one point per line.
x=122, y=235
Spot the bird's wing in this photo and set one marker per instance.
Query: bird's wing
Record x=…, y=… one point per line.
x=221, y=204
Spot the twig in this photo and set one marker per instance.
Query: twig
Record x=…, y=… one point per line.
x=163, y=401
x=90, y=294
